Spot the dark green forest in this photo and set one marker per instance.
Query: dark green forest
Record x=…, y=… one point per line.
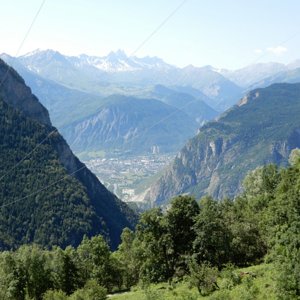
x=194, y=240
x=39, y=201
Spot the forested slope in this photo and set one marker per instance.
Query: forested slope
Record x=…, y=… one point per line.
x=47, y=195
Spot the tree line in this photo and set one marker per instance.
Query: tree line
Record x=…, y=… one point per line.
x=194, y=239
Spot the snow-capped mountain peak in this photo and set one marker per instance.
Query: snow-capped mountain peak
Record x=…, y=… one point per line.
x=119, y=62
x=115, y=61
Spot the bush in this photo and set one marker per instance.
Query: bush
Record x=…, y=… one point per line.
x=250, y=290
x=230, y=278
x=152, y=294
x=55, y=295
x=91, y=291
x=221, y=295
x=204, y=277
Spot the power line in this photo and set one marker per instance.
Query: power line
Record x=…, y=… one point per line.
x=139, y=47
x=164, y=119
x=44, y=188
x=185, y=75
x=158, y=27
x=30, y=27
x=28, y=154
x=24, y=39
x=6, y=74
x=133, y=53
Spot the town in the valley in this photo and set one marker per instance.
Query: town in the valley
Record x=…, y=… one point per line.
x=129, y=177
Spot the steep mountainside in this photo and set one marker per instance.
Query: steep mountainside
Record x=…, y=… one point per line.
x=15, y=93
x=132, y=125
x=48, y=196
x=262, y=129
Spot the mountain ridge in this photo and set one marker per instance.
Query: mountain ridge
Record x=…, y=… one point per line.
x=131, y=124
x=113, y=62
x=262, y=129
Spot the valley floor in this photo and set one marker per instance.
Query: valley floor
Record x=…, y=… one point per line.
x=129, y=177
x=257, y=283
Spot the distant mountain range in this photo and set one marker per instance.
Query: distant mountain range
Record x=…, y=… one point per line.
x=263, y=128
x=180, y=109
x=194, y=104
x=117, y=73
x=77, y=90
x=256, y=74
x=114, y=62
x=249, y=75
x=47, y=196
x=287, y=76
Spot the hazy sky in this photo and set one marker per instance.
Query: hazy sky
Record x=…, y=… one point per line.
x=222, y=33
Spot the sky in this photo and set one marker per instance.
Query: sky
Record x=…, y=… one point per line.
x=223, y=33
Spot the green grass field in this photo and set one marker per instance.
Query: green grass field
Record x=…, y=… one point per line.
x=258, y=284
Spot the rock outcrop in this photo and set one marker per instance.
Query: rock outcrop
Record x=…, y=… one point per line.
x=262, y=129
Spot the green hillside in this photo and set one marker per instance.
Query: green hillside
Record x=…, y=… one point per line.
x=262, y=129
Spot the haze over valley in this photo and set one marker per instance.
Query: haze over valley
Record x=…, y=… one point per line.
x=149, y=151
x=126, y=109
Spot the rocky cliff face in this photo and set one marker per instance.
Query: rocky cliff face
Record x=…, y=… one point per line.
x=115, y=215
x=133, y=125
x=262, y=129
x=15, y=93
